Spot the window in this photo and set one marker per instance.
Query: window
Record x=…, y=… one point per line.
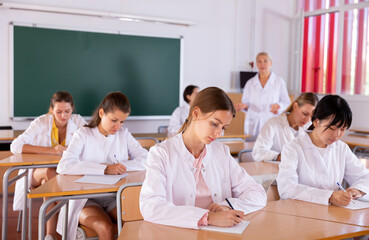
x=335, y=51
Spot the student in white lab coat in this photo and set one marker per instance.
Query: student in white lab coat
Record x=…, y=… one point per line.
x=101, y=147
x=190, y=175
x=181, y=113
x=312, y=164
x=279, y=130
x=264, y=96
x=47, y=134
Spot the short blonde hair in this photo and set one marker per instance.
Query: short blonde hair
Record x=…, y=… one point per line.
x=264, y=54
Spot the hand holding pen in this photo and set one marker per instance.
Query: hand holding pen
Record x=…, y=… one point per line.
x=340, y=187
x=115, y=169
x=340, y=198
x=57, y=149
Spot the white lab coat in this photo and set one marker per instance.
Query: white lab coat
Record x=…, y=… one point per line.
x=259, y=101
x=275, y=133
x=169, y=190
x=305, y=175
x=39, y=134
x=177, y=119
x=87, y=153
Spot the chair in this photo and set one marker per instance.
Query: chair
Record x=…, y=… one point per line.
x=147, y=142
x=245, y=156
x=272, y=192
x=128, y=204
x=163, y=129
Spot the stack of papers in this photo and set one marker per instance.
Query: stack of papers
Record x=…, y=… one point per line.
x=237, y=229
x=101, y=179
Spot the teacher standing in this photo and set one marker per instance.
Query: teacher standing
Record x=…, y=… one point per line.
x=264, y=96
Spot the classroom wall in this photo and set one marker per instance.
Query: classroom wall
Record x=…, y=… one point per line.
x=227, y=35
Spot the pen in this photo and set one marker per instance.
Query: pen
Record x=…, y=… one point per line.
x=340, y=187
x=230, y=205
x=116, y=159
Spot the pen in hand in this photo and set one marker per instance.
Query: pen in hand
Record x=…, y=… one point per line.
x=230, y=205
x=340, y=187
x=116, y=159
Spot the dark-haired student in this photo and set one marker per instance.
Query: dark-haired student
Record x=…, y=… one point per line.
x=50, y=133
x=101, y=147
x=190, y=176
x=312, y=164
x=180, y=113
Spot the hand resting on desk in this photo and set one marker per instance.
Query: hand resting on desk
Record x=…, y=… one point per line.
x=115, y=169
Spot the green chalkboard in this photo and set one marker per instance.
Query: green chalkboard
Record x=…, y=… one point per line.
x=89, y=65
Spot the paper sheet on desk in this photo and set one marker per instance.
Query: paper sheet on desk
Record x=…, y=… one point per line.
x=358, y=205
x=237, y=229
x=101, y=179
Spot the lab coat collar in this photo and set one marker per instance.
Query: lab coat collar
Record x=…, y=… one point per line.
x=71, y=128
x=270, y=82
x=188, y=157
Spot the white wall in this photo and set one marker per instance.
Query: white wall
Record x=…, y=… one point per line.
x=215, y=49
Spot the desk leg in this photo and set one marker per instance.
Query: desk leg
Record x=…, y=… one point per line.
x=6, y=184
x=24, y=214
x=65, y=223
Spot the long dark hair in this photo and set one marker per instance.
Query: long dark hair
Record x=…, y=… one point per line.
x=209, y=100
x=113, y=101
x=188, y=91
x=333, y=106
x=61, y=96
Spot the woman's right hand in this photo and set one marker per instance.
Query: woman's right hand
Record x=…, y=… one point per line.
x=340, y=198
x=241, y=106
x=225, y=218
x=58, y=149
x=115, y=169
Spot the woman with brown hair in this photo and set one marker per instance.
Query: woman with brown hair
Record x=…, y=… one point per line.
x=50, y=133
x=101, y=147
x=277, y=131
x=190, y=176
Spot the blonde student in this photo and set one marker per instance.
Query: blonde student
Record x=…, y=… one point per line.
x=48, y=134
x=190, y=175
x=313, y=164
x=101, y=147
x=180, y=113
x=277, y=131
x=264, y=96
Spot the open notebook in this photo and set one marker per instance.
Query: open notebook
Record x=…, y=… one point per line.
x=101, y=179
x=359, y=204
x=237, y=229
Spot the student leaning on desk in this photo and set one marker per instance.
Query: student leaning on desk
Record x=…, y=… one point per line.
x=190, y=175
x=278, y=131
x=101, y=147
x=50, y=134
x=313, y=163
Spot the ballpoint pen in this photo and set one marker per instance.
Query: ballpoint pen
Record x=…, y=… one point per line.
x=116, y=159
x=230, y=205
x=340, y=187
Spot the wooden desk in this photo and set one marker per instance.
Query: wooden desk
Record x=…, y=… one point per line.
x=63, y=188
x=263, y=225
x=17, y=162
x=354, y=141
x=316, y=211
x=9, y=135
x=260, y=168
x=359, y=130
x=5, y=154
x=236, y=146
x=163, y=136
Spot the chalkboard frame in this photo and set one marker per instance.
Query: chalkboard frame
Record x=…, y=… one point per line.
x=131, y=117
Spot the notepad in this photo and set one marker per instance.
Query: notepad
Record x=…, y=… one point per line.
x=358, y=205
x=101, y=179
x=237, y=229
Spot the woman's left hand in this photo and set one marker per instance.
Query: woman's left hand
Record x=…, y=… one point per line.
x=355, y=193
x=217, y=208
x=274, y=108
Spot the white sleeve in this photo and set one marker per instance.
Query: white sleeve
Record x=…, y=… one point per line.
x=26, y=137
x=79, y=121
x=70, y=162
x=284, y=98
x=175, y=122
x=247, y=195
x=356, y=175
x=154, y=205
x=288, y=183
x=137, y=154
x=262, y=150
